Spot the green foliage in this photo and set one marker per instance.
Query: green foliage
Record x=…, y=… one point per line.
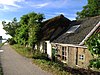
x=95, y=63
x=35, y=28
x=90, y=10
x=21, y=35
x=93, y=44
x=1, y=44
x=29, y=32
x=11, y=41
x=1, y=70
x=41, y=60
x=53, y=67
x=10, y=27
x=25, y=51
x=38, y=55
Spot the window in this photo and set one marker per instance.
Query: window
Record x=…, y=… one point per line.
x=64, y=53
x=81, y=57
x=73, y=29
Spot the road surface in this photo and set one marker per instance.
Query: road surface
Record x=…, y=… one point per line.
x=15, y=64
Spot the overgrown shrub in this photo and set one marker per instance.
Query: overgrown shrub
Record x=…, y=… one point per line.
x=95, y=63
x=25, y=51
x=93, y=44
x=11, y=41
x=38, y=55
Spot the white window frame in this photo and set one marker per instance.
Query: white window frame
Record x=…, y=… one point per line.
x=73, y=29
x=64, y=53
x=81, y=57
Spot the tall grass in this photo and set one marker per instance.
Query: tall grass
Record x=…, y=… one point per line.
x=24, y=51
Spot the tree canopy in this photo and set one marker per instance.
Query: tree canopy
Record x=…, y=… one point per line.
x=90, y=10
x=27, y=31
x=10, y=27
x=30, y=29
x=93, y=44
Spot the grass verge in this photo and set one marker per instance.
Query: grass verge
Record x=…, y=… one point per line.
x=24, y=51
x=41, y=60
x=1, y=71
x=1, y=44
x=50, y=66
x=53, y=67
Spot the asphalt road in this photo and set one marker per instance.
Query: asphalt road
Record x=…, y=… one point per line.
x=15, y=64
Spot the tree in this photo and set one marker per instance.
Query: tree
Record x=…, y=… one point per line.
x=29, y=31
x=10, y=27
x=21, y=35
x=90, y=10
x=35, y=28
x=93, y=44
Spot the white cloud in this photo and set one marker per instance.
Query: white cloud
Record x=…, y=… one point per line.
x=10, y=4
x=58, y=13
x=2, y=31
x=47, y=3
x=8, y=8
x=40, y=5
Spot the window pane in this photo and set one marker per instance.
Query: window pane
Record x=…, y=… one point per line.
x=63, y=57
x=81, y=57
x=62, y=48
x=62, y=53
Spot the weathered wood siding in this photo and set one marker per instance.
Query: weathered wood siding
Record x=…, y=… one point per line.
x=73, y=55
x=87, y=56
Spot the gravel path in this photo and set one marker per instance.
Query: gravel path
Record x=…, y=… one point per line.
x=15, y=64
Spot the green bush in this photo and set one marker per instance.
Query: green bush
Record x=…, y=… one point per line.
x=95, y=63
x=93, y=44
x=38, y=55
x=11, y=41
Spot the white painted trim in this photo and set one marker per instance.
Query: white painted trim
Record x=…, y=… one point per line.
x=91, y=32
x=49, y=49
x=73, y=29
x=69, y=45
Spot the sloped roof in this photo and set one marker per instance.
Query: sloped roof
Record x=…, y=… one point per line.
x=54, y=27
x=75, y=38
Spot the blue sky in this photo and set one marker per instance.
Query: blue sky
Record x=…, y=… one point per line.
x=50, y=8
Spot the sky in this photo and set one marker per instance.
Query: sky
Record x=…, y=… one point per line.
x=50, y=8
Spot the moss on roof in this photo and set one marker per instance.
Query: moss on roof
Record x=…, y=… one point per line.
x=86, y=26
x=58, y=23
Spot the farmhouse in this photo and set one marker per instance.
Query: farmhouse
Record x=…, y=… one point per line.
x=51, y=30
x=64, y=39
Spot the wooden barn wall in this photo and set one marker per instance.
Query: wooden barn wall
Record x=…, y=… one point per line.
x=73, y=56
